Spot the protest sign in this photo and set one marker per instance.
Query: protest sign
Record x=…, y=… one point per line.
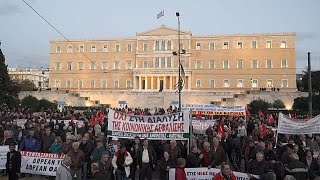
x=209, y=109
x=3, y=156
x=40, y=163
x=20, y=122
x=160, y=127
x=206, y=174
x=200, y=126
x=289, y=126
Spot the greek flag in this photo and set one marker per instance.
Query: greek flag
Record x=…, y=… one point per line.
x=160, y=14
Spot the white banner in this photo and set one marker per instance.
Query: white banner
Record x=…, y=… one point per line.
x=200, y=126
x=210, y=109
x=206, y=174
x=3, y=156
x=66, y=122
x=289, y=126
x=20, y=122
x=161, y=127
x=40, y=163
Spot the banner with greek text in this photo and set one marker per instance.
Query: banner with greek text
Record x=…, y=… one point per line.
x=40, y=163
x=3, y=156
x=200, y=126
x=289, y=126
x=209, y=109
x=206, y=174
x=159, y=127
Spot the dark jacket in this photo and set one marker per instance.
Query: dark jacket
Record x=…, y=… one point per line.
x=106, y=169
x=314, y=166
x=257, y=168
x=175, y=153
x=152, y=155
x=219, y=156
x=211, y=158
x=46, y=142
x=9, y=141
x=77, y=159
x=297, y=169
x=98, y=176
x=97, y=153
x=163, y=164
x=193, y=160
x=30, y=144
x=87, y=149
x=13, y=162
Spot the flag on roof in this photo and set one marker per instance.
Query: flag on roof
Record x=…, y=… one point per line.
x=160, y=14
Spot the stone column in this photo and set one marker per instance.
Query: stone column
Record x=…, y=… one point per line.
x=158, y=82
x=170, y=83
x=151, y=83
x=189, y=83
x=164, y=82
x=134, y=82
x=139, y=82
x=146, y=82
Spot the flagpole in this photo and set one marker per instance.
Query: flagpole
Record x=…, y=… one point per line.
x=179, y=53
x=277, y=132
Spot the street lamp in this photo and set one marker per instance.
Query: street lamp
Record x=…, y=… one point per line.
x=180, y=82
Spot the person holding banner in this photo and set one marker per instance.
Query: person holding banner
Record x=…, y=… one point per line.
x=13, y=163
x=225, y=173
x=180, y=172
x=63, y=171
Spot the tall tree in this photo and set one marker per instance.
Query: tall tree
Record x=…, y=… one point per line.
x=8, y=90
x=259, y=105
x=315, y=79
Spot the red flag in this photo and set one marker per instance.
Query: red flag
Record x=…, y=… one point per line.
x=247, y=112
x=199, y=116
x=101, y=117
x=73, y=118
x=93, y=120
x=261, y=114
x=264, y=131
x=220, y=130
x=271, y=119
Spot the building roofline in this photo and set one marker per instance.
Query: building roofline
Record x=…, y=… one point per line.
x=247, y=35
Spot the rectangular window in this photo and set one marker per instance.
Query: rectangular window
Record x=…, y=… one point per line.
x=103, y=83
x=168, y=45
x=169, y=62
x=116, y=84
x=239, y=45
x=104, y=65
x=255, y=64
x=284, y=83
x=128, y=84
x=181, y=45
x=57, y=84
x=284, y=63
x=212, y=83
x=240, y=83
x=212, y=46
x=240, y=64
x=69, y=65
x=225, y=64
x=198, y=47
x=283, y=44
x=93, y=48
x=198, y=65
x=254, y=44
x=157, y=46
x=212, y=64
x=81, y=48
x=254, y=83
x=92, y=83
x=156, y=63
x=226, y=83
x=268, y=44
x=145, y=64
x=92, y=65
x=117, y=48
x=80, y=65
x=70, y=49
x=129, y=48
x=198, y=83
x=163, y=45
x=68, y=84
x=225, y=45
x=80, y=84
x=269, y=83
x=116, y=65
x=129, y=65
x=58, y=49
x=269, y=63
x=145, y=47
x=163, y=62
x=58, y=65
x=105, y=48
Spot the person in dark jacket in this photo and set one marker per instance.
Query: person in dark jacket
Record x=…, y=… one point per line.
x=311, y=163
x=97, y=151
x=193, y=158
x=30, y=143
x=13, y=163
x=46, y=140
x=105, y=166
x=147, y=160
x=77, y=158
x=208, y=156
x=165, y=164
x=87, y=148
x=134, y=153
x=257, y=166
x=8, y=138
x=96, y=174
x=173, y=150
x=296, y=168
x=219, y=153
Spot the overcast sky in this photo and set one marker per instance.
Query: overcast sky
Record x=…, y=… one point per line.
x=25, y=36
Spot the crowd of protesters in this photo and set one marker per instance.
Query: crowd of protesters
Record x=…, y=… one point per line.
x=233, y=144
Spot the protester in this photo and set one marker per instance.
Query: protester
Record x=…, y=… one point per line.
x=134, y=153
x=311, y=163
x=121, y=163
x=164, y=165
x=77, y=160
x=208, y=156
x=13, y=163
x=96, y=174
x=180, y=172
x=63, y=171
x=147, y=160
x=194, y=158
x=97, y=151
x=55, y=148
x=30, y=143
x=105, y=166
x=225, y=173
x=46, y=140
x=296, y=168
x=87, y=147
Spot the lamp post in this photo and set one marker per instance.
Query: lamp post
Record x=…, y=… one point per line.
x=179, y=53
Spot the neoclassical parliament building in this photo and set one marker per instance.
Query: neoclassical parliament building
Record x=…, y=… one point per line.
x=148, y=62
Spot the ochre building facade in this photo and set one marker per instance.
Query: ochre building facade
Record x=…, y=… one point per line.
x=146, y=63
